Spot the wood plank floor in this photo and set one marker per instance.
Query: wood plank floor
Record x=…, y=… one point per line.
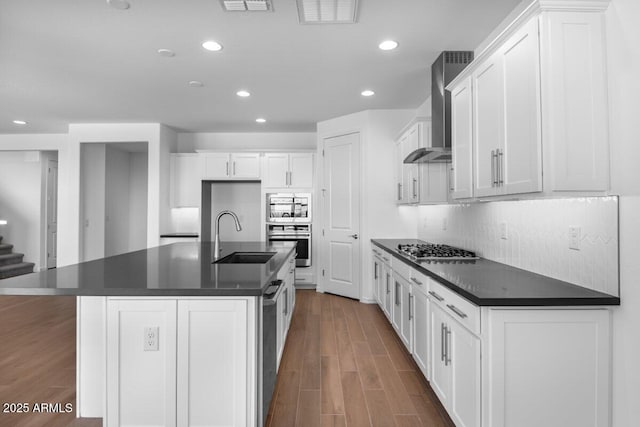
x=343, y=365
x=38, y=359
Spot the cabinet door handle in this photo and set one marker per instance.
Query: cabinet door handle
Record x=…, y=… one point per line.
x=442, y=342
x=227, y=168
x=494, y=175
x=436, y=296
x=451, y=176
x=286, y=301
x=457, y=311
x=500, y=162
x=375, y=271
x=388, y=290
x=410, y=306
x=234, y=167
x=396, y=295
x=385, y=258
x=415, y=192
x=399, y=191
x=416, y=281
x=447, y=348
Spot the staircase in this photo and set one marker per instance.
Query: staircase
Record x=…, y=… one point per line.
x=11, y=263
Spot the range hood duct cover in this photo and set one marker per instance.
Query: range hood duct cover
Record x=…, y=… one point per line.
x=448, y=65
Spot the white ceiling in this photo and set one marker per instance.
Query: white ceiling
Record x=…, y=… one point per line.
x=82, y=61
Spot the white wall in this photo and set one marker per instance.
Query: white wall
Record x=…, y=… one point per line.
x=244, y=199
x=189, y=142
x=93, y=200
x=623, y=45
x=117, y=184
x=138, y=174
x=20, y=202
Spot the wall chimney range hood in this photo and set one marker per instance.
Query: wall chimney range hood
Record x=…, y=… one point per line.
x=448, y=65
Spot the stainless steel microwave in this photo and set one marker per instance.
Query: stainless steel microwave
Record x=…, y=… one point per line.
x=289, y=207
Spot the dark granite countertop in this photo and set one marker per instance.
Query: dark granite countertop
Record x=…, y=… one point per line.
x=180, y=235
x=178, y=269
x=490, y=283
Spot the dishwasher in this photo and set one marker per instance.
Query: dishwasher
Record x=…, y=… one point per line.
x=269, y=347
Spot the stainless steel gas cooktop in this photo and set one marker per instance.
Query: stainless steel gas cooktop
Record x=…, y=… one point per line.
x=438, y=252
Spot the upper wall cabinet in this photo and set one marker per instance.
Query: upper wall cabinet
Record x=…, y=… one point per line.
x=423, y=183
x=231, y=166
x=186, y=174
x=288, y=170
x=534, y=100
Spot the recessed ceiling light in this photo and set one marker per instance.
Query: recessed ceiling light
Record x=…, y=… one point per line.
x=243, y=93
x=388, y=45
x=195, y=83
x=367, y=93
x=168, y=53
x=19, y=122
x=261, y=120
x=212, y=45
x=119, y=4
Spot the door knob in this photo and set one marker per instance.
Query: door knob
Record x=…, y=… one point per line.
x=355, y=236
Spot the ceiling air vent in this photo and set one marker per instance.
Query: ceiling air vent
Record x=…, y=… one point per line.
x=247, y=5
x=327, y=11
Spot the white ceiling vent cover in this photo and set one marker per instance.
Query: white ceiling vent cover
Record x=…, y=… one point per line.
x=247, y=5
x=327, y=11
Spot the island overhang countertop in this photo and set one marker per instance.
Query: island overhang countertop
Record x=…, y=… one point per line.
x=178, y=269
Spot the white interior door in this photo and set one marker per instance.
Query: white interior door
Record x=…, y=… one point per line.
x=52, y=214
x=341, y=206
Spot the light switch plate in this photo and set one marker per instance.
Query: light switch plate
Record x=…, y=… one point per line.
x=575, y=236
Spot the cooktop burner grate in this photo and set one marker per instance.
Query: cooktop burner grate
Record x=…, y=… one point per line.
x=432, y=251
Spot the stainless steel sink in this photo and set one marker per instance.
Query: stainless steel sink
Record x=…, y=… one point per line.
x=246, y=258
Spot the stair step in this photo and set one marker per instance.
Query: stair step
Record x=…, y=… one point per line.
x=16, y=269
x=5, y=248
x=9, y=259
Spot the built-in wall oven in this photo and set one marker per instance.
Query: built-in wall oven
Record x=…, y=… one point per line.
x=289, y=207
x=298, y=233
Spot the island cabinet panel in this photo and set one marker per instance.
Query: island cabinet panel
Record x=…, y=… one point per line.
x=212, y=363
x=141, y=385
x=200, y=371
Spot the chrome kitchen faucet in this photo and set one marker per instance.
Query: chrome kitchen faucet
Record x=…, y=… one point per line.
x=216, y=244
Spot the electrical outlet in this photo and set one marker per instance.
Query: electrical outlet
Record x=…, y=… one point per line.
x=575, y=236
x=444, y=224
x=151, y=338
x=503, y=231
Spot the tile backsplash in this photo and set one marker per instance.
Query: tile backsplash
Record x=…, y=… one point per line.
x=538, y=236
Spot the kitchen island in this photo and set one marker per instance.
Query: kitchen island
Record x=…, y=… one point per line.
x=167, y=337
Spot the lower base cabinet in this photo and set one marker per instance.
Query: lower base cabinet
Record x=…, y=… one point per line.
x=165, y=365
x=546, y=367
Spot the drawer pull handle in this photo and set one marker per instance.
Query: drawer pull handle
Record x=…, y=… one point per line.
x=457, y=311
x=416, y=281
x=385, y=258
x=436, y=296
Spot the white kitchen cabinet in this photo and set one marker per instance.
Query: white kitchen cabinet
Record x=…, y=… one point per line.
x=546, y=367
x=424, y=183
x=402, y=313
x=285, y=303
x=378, y=290
x=186, y=171
x=462, y=140
x=455, y=376
x=388, y=294
x=212, y=384
x=420, y=320
x=538, y=97
x=231, y=166
x=288, y=170
x=507, y=139
x=165, y=367
x=141, y=385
